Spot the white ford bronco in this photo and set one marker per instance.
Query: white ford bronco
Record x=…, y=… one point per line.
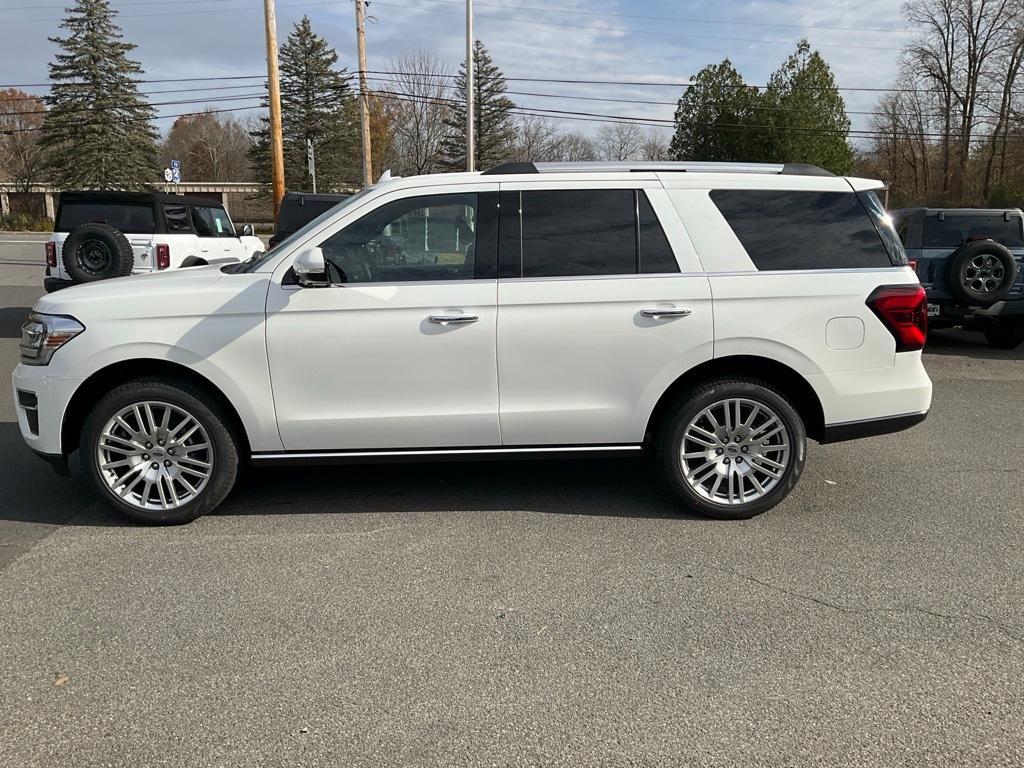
x=99, y=235
x=714, y=316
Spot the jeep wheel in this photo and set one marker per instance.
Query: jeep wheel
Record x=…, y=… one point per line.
x=96, y=251
x=732, y=448
x=1005, y=333
x=981, y=272
x=160, y=452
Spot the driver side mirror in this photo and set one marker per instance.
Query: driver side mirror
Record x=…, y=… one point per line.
x=311, y=269
x=247, y=230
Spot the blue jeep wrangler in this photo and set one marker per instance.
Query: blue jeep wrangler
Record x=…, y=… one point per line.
x=971, y=264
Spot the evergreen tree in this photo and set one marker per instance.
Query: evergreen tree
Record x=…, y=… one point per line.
x=318, y=105
x=717, y=118
x=808, y=114
x=494, y=129
x=98, y=128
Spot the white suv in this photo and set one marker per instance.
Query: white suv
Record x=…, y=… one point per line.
x=99, y=235
x=715, y=315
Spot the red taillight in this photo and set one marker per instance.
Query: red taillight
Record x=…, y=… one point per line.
x=903, y=309
x=163, y=256
x=913, y=264
x=51, y=254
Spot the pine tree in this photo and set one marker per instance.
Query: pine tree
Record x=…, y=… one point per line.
x=717, y=118
x=318, y=105
x=99, y=127
x=808, y=114
x=494, y=130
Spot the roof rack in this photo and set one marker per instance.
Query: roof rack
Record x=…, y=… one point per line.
x=667, y=166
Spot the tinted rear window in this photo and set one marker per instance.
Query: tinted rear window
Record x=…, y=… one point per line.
x=655, y=253
x=578, y=232
x=802, y=230
x=954, y=229
x=136, y=219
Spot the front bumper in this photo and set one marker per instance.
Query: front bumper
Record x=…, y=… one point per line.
x=40, y=402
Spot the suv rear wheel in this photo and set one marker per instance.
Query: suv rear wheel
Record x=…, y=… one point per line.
x=160, y=452
x=732, y=448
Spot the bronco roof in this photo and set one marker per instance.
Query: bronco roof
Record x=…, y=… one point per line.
x=128, y=198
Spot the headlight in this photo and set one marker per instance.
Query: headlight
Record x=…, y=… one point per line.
x=42, y=335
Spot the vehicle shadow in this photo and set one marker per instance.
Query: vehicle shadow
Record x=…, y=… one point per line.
x=11, y=319
x=626, y=487
x=961, y=343
x=32, y=493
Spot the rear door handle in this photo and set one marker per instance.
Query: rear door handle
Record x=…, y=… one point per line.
x=659, y=312
x=453, y=319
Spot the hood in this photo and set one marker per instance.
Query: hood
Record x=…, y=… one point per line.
x=180, y=292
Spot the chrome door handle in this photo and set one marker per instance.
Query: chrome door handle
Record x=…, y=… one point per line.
x=659, y=312
x=452, y=319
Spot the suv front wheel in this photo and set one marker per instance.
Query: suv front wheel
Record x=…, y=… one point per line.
x=159, y=451
x=732, y=448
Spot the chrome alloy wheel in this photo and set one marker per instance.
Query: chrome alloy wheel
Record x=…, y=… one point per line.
x=985, y=273
x=735, y=451
x=155, y=456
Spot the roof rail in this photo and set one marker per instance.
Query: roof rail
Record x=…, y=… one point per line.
x=662, y=166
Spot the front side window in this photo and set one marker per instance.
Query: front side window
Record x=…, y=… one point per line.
x=432, y=237
x=783, y=229
x=212, y=222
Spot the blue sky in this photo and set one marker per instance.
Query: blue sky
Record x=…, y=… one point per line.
x=565, y=39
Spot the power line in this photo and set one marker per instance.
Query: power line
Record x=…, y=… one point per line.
x=666, y=84
x=559, y=81
x=611, y=119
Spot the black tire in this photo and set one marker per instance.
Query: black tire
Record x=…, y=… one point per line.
x=96, y=251
x=1005, y=333
x=669, y=446
x=200, y=406
x=981, y=272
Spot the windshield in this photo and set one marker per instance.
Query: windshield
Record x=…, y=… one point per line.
x=261, y=258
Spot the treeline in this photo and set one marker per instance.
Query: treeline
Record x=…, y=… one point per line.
x=949, y=132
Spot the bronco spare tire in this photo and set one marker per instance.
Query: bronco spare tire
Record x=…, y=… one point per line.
x=96, y=251
x=981, y=272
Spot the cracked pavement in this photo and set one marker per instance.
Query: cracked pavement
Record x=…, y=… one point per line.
x=533, y=613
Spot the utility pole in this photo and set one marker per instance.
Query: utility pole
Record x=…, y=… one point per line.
x=274, y=87
x=364, y=96
x=470, y=122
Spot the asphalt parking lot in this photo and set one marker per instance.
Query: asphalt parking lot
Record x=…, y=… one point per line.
x=535, y=613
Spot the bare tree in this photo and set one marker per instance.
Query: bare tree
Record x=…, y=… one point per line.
x=961, y=45
x=537, y=139
x=211, y=147
x=22, y=157
x=419, y=89
x=576, y=147
x=654, y=146
x=619, y=141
